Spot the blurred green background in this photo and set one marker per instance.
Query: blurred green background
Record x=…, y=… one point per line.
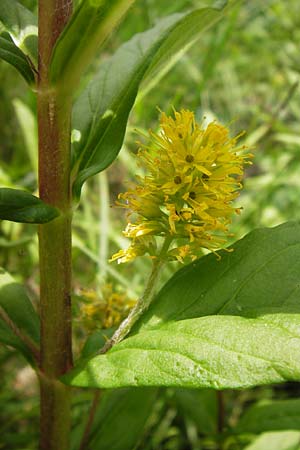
x=244, y=72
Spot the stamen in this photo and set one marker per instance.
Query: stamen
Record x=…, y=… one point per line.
x=177, y=179
x=189, y=158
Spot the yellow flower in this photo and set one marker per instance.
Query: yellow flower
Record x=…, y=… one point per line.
x=193, y=175
x=106, y=311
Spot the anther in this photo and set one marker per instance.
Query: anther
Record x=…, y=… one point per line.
x=177, y=179
x=189, y=158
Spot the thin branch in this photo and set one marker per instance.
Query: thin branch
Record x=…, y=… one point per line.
x=90, y=420
x=221, y=417
x=142, y=304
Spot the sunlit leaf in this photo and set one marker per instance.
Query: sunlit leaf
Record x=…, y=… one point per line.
x=22, y=26
x=10, y=53
x=280, y=440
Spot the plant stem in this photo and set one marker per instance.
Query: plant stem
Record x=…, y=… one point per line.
x=143, y=303
x=54, y=112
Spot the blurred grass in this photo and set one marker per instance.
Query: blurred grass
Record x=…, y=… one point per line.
x=245, y=73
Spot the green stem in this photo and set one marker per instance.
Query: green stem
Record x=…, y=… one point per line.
x=143, y=303
x=54, y=112
x=103, y=226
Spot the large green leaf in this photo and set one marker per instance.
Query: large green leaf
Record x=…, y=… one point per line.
x=120, y=420
x=101, y=112
x=21, y=206
x=18, y=317
x=93, y=21
x=22, y=25
x=10, y=53
x=231, y=323
x=272, y=416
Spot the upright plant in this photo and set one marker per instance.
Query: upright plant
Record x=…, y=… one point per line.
x=220, y=322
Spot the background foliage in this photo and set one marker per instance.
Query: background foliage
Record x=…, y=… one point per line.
x=244, y=71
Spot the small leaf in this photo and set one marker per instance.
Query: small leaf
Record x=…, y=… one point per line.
x=20, y=206
x=232, y=323
x=22, y=25
x=281, y=440
x=93, y=21
x=10, y=53
x=101, y=112
x=95, y=341
x=272, y=416
x=18, y=312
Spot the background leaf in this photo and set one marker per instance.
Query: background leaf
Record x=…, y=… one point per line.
x=200, y=406
x=101, y=112
x=121, y=418
x=28, y=125
x=272, y=416
x=18, y=308
x=207, y=329
x=21, y=206
x=10, y=53
x=281, y=440
x=93, y=21
x=22, y=25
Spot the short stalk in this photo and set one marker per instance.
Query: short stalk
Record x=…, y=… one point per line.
x=143, y=302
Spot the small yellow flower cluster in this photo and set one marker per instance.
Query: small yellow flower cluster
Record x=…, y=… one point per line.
x=193, y=175
x=105, y=312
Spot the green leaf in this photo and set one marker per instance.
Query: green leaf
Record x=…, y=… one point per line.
x=22, y=25
x=17, y=313
x=232, y=323
x=200, y=406
x=120, y=420
x=101, y=112
x=20, y=206
x=272, y=416
x=282, y=440
x=95, y=341
x=93, y=21
x=10, y=53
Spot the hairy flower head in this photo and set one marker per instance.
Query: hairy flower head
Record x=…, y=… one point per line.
x=192, y=176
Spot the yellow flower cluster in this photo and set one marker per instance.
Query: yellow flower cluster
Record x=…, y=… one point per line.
x=105, y=312
x=193, y=175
